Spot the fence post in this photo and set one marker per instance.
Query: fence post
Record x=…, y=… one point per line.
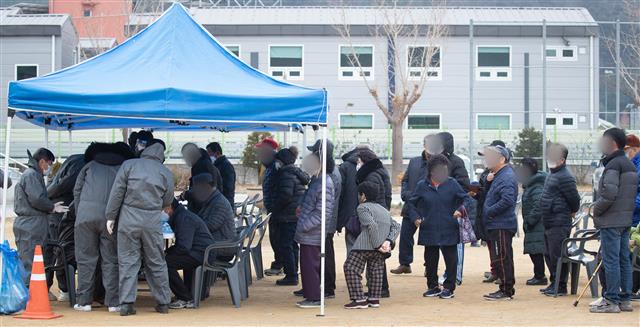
x=471, y=81
x=617, y=72
x=544, y=94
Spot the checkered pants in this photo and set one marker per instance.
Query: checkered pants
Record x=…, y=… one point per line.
x=354, y=267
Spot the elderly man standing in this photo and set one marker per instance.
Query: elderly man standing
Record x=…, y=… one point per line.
x=613, y=212
x=266, y=150
x=499, y=215
x=142, y=188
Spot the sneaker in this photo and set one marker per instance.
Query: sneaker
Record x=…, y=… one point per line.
x=625, y=306
x=63, y=296
x=127, y=309
x=287, y=281
x=552, y=292
x=597, y=302
x=487, y=274
x=329, y=294
x=299, y=292
x=273, y=272
x=401, y=269
x=357, y=305
x=181, y=304
x=446, y=294
x=432, y=292
x=82, y=308
x=308, y=304
x=538, y=281
x=167, y=232
x=162, y=308
x=52, y=297
x=373, y=303
x=498, y=281
x=114, y=309
x=635, y=297
x=497, y=296
x=475, y=244
x=547, y=289
x=490, y=278
x=605, y=307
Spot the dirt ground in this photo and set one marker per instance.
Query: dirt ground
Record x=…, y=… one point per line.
x=271, y=305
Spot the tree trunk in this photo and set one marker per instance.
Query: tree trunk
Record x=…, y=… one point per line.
x=397, y=138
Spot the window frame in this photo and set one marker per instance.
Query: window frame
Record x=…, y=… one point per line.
x=439, y=115
x=559, y=49
x=559, y=117
x=15, y=70
x=493, y=71
x=356, y=76
x=286, y=71
x=372, y=115
x=85, y=10
x=485, y=114
x=226, y=46
x=430, y=69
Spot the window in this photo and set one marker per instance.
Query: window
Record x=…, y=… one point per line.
x=235, y=49
x=285, y=62
x=349, y=59
x=356, y=121
x=562, y=121
x=494, y=121
x=417, y=61
x=562, y=53
x=87, y=13
x=419, y=121
x=493, y=63
x=26, y=71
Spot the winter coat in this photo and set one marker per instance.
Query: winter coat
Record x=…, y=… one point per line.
x=457, y=170
x=30, y=198
x=142, y=187
x=309, y=227
x=499, y=211
x=373, y=171
x=61, y=186
x=532, y=215
x=228, y=176
x=269, y=186
x=336, y=179
x=94, y=182
x=377, y=227
x=2, y=180
x=218, y=215
x=191, y=233
x=349, y=189
x=416, y=172
x=560, y=198
x=636, y=211
x=435, y=206
x=617, y=192
x=202, y=166
x=479, y=226
x=290, y=187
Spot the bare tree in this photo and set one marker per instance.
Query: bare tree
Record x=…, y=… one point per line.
x=412, y=58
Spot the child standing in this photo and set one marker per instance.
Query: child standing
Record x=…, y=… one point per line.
x=371, y=248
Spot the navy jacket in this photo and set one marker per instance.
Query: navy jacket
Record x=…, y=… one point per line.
x=560, y=198
x=269, y=186
x=192, y=235
x=228, y=176
x=499, y=210
x=416, y=172
x=374, y=172
x=435, y=206
x=349, y=190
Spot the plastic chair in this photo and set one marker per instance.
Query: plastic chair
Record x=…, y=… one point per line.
x=69, y=270
x=248, y=217
x=256, y=247
x=575, y=253
x=246, y=260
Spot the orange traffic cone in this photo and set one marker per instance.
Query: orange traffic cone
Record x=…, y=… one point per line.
x=38, y=306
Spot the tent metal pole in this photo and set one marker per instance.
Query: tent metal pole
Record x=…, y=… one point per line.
x=46, y=137
x=5, y=184
x=304, y=141
x=70, y=143
x=323, y=227
x=544, y=95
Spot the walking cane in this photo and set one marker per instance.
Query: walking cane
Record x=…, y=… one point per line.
x=575, y=304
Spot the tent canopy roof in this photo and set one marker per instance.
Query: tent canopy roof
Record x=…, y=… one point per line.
x=173, y=74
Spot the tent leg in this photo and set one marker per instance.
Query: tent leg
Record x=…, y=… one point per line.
x=46, y=137
x=324, y=218
x=304, y=141
x=5, y=185
x=70, y=143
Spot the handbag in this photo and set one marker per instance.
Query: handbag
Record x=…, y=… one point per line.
x=467, y=235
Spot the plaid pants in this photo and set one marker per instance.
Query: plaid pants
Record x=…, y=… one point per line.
x=354, y=267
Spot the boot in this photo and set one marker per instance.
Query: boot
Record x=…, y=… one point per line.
x=127, y=309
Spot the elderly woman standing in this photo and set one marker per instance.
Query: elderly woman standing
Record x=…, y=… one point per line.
x=309, y=230
x=533, y=184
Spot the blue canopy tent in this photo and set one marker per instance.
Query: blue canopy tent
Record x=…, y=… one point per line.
x=173, y=75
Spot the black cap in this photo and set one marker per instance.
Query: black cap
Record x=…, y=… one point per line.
x=318, y=145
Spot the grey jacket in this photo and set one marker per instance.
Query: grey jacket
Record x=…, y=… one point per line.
x=616, y=192
x=377, y=227
x=30, y=197
x=141, y=185
x=309, y=229
x=332, y=222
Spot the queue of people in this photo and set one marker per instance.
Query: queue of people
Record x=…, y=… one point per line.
x=123, y=193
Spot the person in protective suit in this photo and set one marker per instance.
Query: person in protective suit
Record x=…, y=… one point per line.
x=60, y=189
x=199, y=161
x=142, y=188
x=92, y=241
x=32, y=207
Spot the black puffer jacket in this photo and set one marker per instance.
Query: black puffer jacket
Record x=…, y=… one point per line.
x=560, y=198
x=617, y=191
x=457, y=169
x=202, y=166
x=61, y=186
x=349, y=192
x=373, y=171
x=479, y=227
x=416, y=171
x=290, y=186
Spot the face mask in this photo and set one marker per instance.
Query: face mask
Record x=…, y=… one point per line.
x=551, y=164
x=213, y=158
x=432, y=152
x=48, y=171
x=164, y=216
